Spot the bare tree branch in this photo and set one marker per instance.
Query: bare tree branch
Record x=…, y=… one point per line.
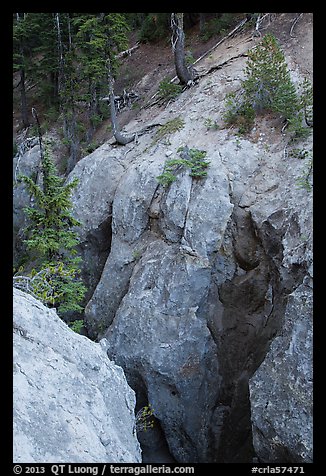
x=121, y=139
x=294, y=23
x=229, y=35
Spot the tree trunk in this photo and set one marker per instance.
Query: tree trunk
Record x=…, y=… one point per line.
x=40, y=141
x=177, y=40
x=67, y=100
x=92, y=110
x=71, y=136
x=23, y=100
x=121, y=139
x=202, y=22
x=60, y=51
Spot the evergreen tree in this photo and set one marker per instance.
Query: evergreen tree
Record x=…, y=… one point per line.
x=24, y=33
x=52, y=241
x=268, y=87
x=35, y=59
x=268, y=84
x=62, y=57
x=100, y=36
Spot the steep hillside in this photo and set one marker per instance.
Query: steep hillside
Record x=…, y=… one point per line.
x=201, y=290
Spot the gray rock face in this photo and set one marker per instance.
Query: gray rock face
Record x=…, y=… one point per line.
x=71, y=404
x=163, y=341
x=130, y=223
x=153, y=285
x=217, y=259
x=98, y=175
x=198, y=281
x=26, y=162
x=281, y=389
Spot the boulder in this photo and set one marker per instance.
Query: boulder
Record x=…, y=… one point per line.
x=166, y=348
x=71, y=403
x=130, y=236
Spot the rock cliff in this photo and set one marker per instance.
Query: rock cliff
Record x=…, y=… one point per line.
x=71, y=403
x=203, y=290
x=284, y=381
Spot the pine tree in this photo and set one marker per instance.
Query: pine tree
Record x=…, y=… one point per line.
x=268, y=87
x=99, y=37
x=268, y=84
x=62, y=56
x=35, y=59
x=51, y=239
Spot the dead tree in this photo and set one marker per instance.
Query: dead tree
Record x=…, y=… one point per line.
x=120, y=138
x=178, y=38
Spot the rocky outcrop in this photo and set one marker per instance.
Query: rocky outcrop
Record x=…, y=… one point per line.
x=166, y=348
x=98, y=175
x=281, y=389
x=71, y=404
x=200, y=277
x=197, y=287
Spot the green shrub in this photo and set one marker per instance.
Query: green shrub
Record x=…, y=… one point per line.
x=306, y=99
x=194, y=159
x=168, y=90
x=77, y=325
x=167, y=177
x=144, y=418
x=55, y=284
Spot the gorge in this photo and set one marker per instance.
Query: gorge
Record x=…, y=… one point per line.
x=200, y=291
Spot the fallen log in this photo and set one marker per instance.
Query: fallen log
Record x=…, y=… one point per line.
x=128, y=52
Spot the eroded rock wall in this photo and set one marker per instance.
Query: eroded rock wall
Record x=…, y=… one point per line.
x=198, y=278
x=281, y=392
x=196, y=285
